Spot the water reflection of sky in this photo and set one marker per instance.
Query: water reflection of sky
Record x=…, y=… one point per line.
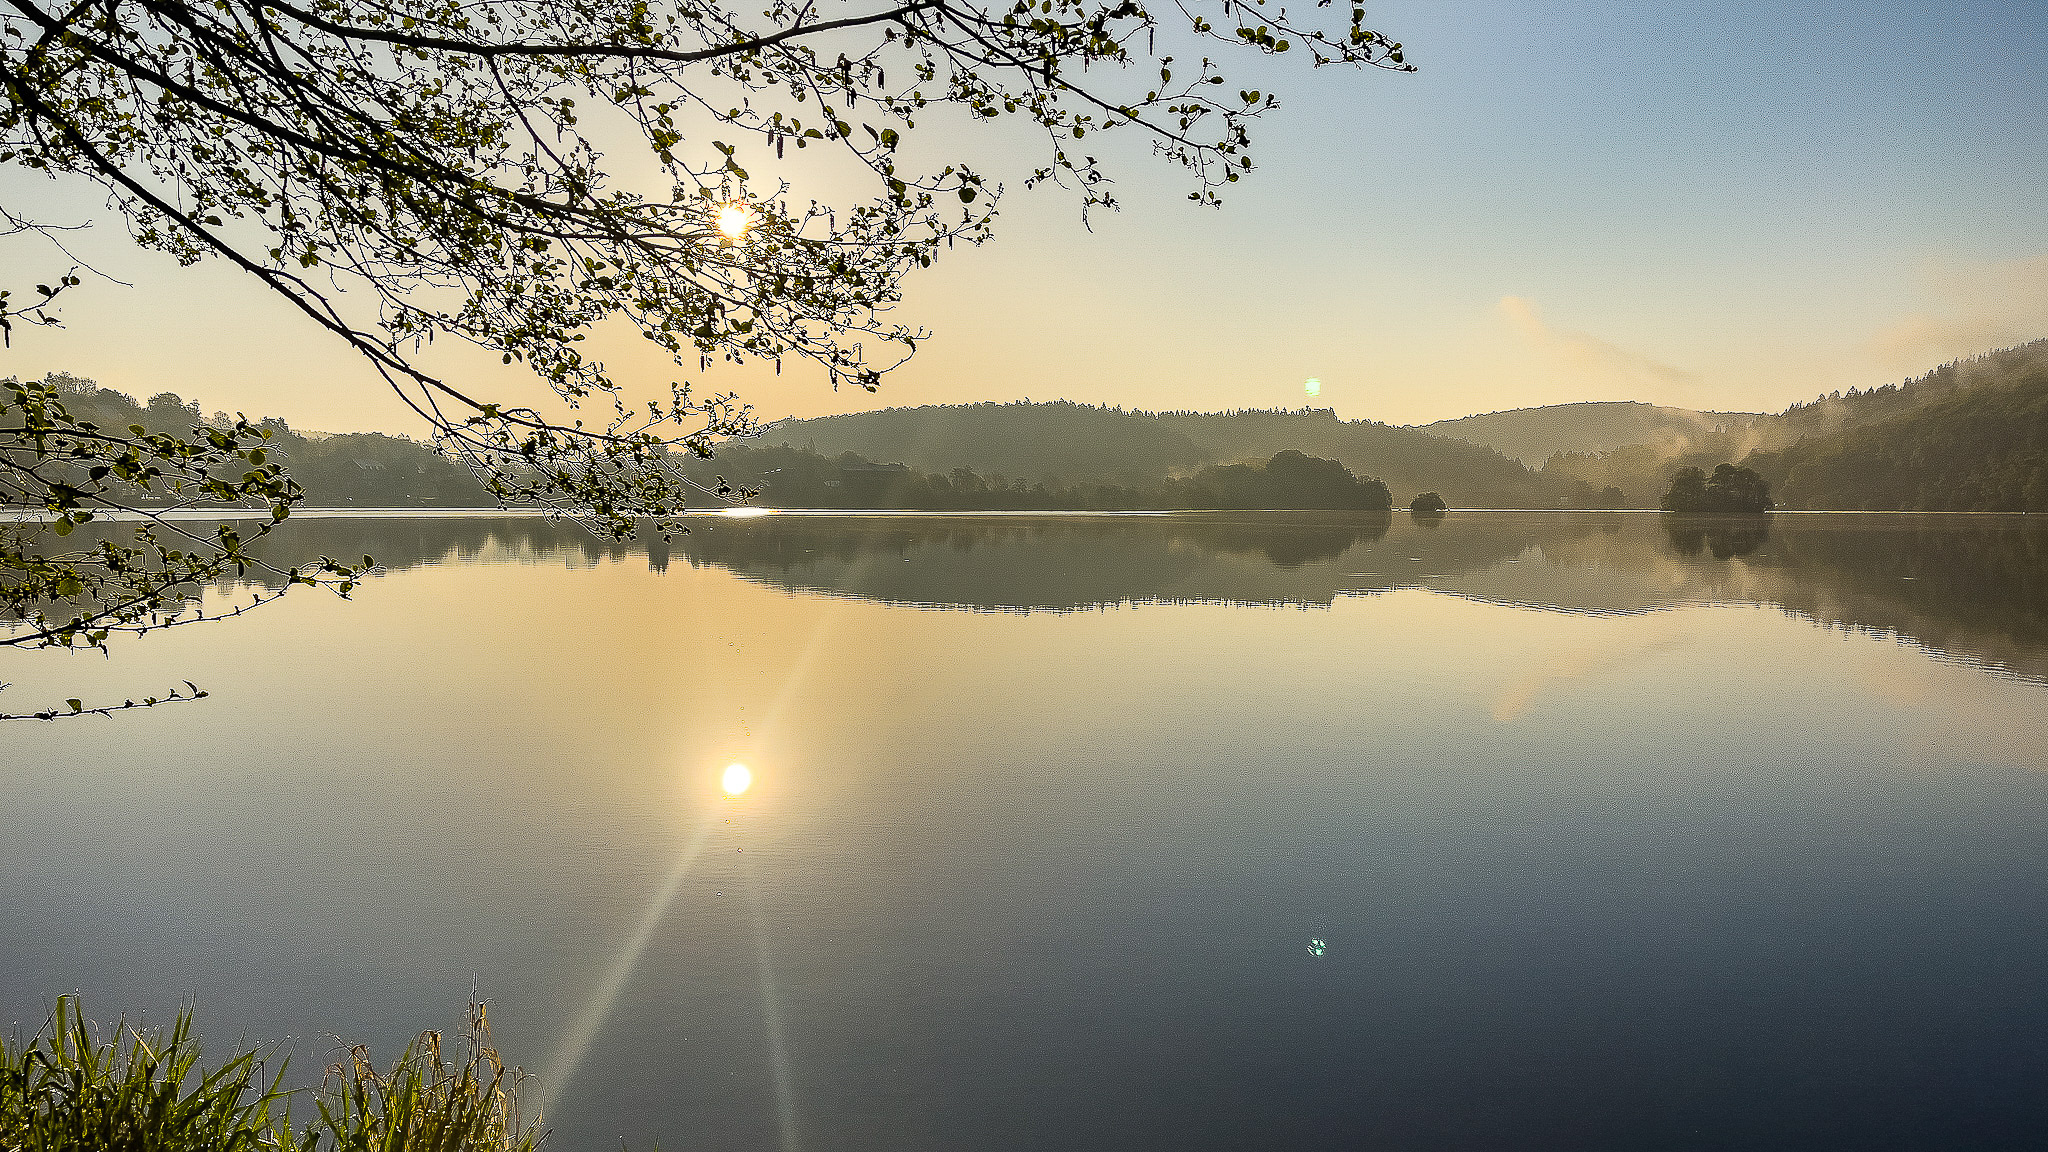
x=1675, y=866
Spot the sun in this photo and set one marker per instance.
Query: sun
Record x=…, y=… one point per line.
x=735, y=219
x=737, y=779
x=1313, y=387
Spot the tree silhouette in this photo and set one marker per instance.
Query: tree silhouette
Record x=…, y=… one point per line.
x=1730, y=489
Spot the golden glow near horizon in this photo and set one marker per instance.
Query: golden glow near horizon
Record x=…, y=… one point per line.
x=737, y=779
x=735, y=219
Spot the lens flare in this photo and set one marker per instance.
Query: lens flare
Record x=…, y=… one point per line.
x=737, y=779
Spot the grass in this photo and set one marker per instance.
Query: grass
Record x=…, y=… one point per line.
x=74, y=1088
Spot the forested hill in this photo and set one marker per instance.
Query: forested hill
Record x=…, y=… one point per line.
x=1068, y=443
x=1534, y=435
x=1073, y=454
x=370, y=470
x=1971, y=436
x=1968, y=437
x=363, y=469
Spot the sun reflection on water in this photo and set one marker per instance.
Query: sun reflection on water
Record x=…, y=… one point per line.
x=737, y=779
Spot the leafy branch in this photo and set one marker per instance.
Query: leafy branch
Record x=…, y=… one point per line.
x=402, y=170
x=59, y=473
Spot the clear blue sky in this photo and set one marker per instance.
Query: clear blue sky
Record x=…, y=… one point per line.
x=1721, y=206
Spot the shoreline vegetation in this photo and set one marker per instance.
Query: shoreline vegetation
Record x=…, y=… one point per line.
x=77, y=1087
x=1971, y=436
x=486, y=512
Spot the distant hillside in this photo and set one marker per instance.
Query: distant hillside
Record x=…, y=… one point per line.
x=1968, y=436
x=1408, y=461
x=1534, y=435
x=364, y=469
x=786, y=477
x=371, y=470
x=1972, y=435
x=1063, y=444
x=1641, y=472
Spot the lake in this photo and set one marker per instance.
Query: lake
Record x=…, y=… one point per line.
x=1091, y=832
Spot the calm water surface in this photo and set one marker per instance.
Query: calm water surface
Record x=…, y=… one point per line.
x=1098, y=832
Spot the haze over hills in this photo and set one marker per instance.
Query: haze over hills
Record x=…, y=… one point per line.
x=1971, y=436
x=1534, y=435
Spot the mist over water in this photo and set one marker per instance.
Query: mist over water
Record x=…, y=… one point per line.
x=1175, y=831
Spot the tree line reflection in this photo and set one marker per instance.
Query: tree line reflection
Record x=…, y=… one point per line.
x=1974, y=587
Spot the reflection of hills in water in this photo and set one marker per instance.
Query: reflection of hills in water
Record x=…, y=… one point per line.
x=999, y=562
x=1975, y=587
x=1042, y=563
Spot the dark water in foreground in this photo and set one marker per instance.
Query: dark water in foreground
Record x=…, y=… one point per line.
x=1099, y=832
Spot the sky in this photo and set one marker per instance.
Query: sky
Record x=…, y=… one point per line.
x=1718, y=205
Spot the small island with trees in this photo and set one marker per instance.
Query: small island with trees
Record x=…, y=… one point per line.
x=1731, y=490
